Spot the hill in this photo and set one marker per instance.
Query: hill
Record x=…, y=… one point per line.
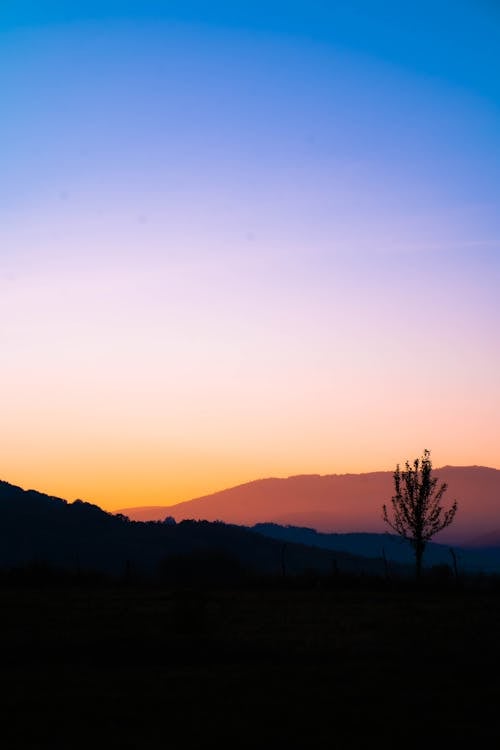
x=340, y=503
x=471, y=559
x=42, y=530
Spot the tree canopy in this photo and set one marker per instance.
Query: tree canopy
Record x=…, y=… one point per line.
x=417, y=513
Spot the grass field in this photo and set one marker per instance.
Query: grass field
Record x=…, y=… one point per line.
x=124, y=667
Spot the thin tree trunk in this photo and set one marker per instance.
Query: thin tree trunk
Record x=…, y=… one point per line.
x=283, y=560
x=419, y=553
x=386, y=565
x=455, y=566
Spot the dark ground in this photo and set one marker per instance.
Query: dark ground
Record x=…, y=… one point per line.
x=268, y=667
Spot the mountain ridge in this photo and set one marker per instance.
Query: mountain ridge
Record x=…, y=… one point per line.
x=79, y=535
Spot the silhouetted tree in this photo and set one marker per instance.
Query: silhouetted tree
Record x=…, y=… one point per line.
x=417, y=513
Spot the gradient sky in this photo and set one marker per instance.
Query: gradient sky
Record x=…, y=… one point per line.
x=243, y=239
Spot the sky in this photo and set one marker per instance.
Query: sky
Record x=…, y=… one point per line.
x=249, y=239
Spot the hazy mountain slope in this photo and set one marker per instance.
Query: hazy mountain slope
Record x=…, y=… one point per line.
x=341, y=502
x=395, y=549
x=367, y=544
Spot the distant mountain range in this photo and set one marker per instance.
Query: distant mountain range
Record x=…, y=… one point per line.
x=342, y=503
x=38, y=529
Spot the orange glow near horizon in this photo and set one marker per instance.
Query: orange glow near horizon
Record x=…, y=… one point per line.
x=130, y=476
x=130, y=404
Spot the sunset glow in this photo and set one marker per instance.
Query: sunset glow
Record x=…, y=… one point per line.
x=239, y=244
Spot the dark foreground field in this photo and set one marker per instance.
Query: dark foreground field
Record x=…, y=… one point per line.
x=134, y=668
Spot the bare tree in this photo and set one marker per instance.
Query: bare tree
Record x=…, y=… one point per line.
x=417, y=513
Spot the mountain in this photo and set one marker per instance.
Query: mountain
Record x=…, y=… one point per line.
x=78, y=536
x=42, y=530
x=341, y=503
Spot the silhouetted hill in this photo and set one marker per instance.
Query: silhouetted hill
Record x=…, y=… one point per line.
x=36, y=528
x=341, y=502
x=368, y=545
x=394, y=548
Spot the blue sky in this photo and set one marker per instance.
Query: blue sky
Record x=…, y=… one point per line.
x=456, y=40
x=304, y=90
